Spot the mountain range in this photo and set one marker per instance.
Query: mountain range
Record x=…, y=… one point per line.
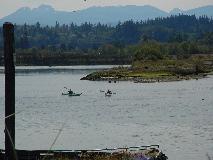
x=47, y=15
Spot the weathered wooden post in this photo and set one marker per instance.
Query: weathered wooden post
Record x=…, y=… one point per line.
x=9, y=49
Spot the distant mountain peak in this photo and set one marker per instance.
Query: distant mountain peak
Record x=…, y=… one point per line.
x=47, y=15
x=44, y=7
x=204, y=7
x=176, y=11
x=22, y=9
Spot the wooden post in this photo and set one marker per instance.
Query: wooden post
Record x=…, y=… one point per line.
x=9, y=49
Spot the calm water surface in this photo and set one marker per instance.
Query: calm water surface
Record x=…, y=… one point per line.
x=170, y=114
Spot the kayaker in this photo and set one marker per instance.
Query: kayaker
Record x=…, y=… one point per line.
x=109, y=92
x=70, y=91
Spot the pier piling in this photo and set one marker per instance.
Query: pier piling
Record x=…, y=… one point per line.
x=9, y=49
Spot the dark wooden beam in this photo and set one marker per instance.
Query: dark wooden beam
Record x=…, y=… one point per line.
x=9, y=49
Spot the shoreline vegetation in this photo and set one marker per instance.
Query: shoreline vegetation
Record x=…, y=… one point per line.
x=150, y=71
x=162, y=49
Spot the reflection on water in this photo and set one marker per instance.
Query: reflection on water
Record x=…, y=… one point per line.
x=170, y=114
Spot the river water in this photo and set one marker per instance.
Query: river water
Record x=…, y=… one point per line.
x=176, y=115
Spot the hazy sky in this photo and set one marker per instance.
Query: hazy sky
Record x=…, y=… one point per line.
x=9, y=6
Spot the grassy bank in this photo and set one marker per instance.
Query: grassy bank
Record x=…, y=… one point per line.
x=159, y=70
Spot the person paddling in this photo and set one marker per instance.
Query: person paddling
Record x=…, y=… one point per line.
x=109, y=92
x=70, y=91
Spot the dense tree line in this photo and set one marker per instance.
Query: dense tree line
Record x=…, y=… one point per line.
x=180, y=35
x=66, y=37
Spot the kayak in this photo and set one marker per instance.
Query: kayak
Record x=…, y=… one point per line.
x=73, y=94
x=108, y=94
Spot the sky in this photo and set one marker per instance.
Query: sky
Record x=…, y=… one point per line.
x=9, y=6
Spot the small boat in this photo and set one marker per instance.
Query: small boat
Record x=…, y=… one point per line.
x=72, y=94
x=75, y=94
x=108, y=94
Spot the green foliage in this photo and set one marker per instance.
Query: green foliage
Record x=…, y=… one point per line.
x=108, y=49
x=161, y=38
x=156, y=50
x=127, y=33
x=67, y=37
x=208, y=38
x=150, y=51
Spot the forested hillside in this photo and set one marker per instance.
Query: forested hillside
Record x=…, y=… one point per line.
x=175, y=35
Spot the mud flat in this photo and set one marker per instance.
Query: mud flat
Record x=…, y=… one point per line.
x=155, y=71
